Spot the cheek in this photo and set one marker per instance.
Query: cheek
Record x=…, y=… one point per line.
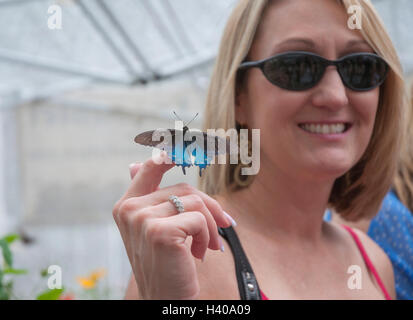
x=366, y=105
x=273, y=111
x=276, y=117
x=272, y=107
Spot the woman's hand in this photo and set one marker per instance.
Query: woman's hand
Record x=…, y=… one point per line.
x=154, y=233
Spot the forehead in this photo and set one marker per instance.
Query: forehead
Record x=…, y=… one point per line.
x=323, y=22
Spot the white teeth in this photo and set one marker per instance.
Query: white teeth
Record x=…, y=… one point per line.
x=324, y=128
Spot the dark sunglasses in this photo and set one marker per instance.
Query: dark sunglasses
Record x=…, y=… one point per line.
x=299, y=70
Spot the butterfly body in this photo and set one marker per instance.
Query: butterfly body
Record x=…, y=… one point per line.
x=185, y=147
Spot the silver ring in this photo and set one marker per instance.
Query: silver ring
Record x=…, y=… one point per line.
x=177, y=203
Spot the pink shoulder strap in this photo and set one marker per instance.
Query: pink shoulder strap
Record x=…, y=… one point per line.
x=368, y=261
x=263, y=296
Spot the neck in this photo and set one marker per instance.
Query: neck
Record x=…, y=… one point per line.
x=281, y=206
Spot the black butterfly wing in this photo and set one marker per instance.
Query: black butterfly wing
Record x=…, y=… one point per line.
x=147, y=139
x=176, y=150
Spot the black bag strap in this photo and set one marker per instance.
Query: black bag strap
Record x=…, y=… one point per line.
x=247, y=283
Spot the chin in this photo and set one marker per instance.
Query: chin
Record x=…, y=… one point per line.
x=330, y=170
x=334, y=172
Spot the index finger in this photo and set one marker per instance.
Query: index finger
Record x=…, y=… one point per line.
x=149, y=176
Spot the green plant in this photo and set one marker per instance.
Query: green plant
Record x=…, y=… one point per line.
x=50, y=294
x=7, y=271
x=89, y=284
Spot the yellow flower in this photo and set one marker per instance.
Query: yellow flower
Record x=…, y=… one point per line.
x=90, y=281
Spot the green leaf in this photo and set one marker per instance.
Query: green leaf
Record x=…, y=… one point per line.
x=51, y=294
x=3, y=294
x=9, y=285
x=44, y=273
x=11, y=238
x=14, y=271
x=7, y=255
x=1, y=279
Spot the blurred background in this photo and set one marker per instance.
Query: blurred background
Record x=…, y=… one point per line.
x=78, y=80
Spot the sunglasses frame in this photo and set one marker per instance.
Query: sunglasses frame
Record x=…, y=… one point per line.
x=324, y=64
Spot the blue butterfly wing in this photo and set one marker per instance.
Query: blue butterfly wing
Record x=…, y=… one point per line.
x=178, y=154
x=176, y=151
x=205, y=151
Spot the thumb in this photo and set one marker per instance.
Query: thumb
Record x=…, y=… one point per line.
x=148, y=176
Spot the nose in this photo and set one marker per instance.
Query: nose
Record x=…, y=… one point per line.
x=330, y=92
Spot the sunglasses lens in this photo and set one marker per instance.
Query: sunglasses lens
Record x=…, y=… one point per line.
x=363, y=72
x=294, y=71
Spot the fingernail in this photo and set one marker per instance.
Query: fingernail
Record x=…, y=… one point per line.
x=233, y=223
x=134, y=164
x=162, y=158
x=221, y=245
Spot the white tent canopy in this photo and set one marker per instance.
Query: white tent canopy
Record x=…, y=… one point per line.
x=126, y=41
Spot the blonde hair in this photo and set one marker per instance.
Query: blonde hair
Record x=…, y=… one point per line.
x=403, y=182
x=358, y=193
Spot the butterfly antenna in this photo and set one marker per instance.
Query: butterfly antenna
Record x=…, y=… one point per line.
x=192, y=119
x=177, y=116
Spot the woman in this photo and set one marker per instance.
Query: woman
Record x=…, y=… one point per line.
x=291, y=252
x=392, y=227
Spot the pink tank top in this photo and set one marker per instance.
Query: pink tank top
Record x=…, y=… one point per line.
x=367, y=261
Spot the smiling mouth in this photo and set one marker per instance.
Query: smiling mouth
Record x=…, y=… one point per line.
x=334, y=128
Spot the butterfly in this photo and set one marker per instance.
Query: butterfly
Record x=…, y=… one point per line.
x=200, y=150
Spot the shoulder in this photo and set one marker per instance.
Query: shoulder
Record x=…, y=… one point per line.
x=379, y=259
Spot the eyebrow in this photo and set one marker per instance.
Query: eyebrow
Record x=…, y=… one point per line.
x=311, y=44
x=352, y=43
x=307, y=42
